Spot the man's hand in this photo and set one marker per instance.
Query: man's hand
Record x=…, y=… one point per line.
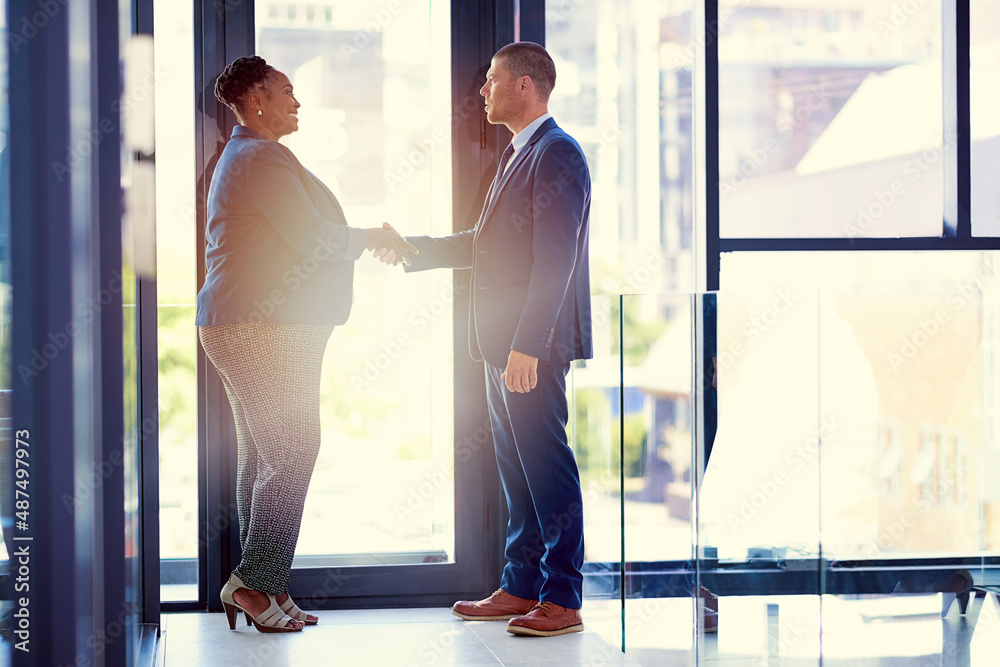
x=521, y=374
x=388, y=245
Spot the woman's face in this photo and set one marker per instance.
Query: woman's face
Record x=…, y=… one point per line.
x=278, y=106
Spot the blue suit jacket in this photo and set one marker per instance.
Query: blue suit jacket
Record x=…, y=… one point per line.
x=278, y=245
x=529, y=256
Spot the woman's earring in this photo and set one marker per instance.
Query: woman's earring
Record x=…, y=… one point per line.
x=260, y=112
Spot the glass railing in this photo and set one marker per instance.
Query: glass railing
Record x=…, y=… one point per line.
x=813, y=465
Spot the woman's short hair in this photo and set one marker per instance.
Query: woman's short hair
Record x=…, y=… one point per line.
x=241, y=77
x=528, y=58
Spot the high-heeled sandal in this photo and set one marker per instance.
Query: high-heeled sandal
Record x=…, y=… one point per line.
x=272, y=619
x=290, y=608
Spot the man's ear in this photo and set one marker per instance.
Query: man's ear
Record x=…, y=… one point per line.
x=527, y=85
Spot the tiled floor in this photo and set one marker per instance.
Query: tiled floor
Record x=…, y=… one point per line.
x=405, y=637
x=900, y=631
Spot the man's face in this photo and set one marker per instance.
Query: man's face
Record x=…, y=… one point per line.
x=503, y=100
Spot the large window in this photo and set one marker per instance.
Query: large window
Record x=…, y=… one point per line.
x=177, y=342
x=830, y=119
x=376, y=122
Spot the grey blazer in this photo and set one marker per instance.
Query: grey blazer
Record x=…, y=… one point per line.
x=278, y=248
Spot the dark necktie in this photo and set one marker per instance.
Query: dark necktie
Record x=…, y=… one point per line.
x=504, y=159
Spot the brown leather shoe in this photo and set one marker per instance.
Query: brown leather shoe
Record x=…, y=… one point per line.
x=546, y=620
x=500, y=606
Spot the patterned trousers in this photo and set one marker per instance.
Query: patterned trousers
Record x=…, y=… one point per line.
x=271, y=373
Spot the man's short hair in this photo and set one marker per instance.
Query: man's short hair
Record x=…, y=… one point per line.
x=530, y=59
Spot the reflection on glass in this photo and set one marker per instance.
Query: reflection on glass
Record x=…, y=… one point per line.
x=834, y=103
x=906, y=389
x=375, y=127
x=758, y=499
x=638, y=139
x=985, y=99
x=593, y=429
x=845, y=482
x=658, y=426
x=175, y=295
x=908, y=375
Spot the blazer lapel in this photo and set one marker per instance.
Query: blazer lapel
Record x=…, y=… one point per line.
x=330, y=206
x=496, y=189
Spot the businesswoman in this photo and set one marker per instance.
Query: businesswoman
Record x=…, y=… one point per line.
x=279, y=263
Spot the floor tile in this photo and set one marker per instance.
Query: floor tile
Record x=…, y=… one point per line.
x=409, y=638
x=580, y=648
x=774, y=631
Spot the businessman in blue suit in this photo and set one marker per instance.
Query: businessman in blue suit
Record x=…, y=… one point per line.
x=530, y=317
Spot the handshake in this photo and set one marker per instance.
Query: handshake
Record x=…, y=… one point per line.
x=388, y=246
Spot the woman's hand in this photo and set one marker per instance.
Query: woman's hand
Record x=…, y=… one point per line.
x=388, y=245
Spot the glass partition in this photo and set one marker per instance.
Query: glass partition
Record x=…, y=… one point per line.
x=796, y=473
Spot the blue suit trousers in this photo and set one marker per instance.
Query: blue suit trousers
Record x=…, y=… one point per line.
x=542, y=484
